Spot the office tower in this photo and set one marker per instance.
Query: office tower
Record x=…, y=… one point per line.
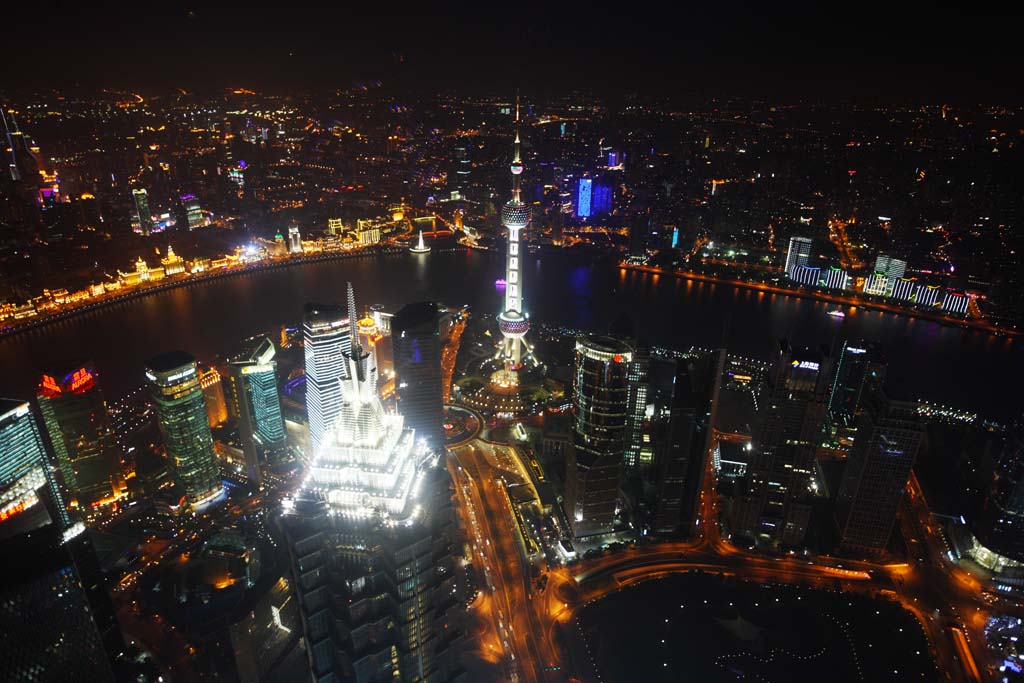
x=600, y=399
x=416, y=343
x=367, y=536
x=463, y=167
x=76, y=419
x=334, y=226
x=30, y=496
x=142, y=211
x=294, y=240
x=192, y=212
x=859, y=366
x=775, y=508
x=890, y=266
x=999, y=526
x=513, y=321
x=254, y=390
x=213, y=394
x=583, y=197
x=601, y=199
x=57, y=620
x=639, y=230
x=325, y=335
x=889, y=434
x=638, y=442
x=799, y=254
x=184, y=425
x=683, y=441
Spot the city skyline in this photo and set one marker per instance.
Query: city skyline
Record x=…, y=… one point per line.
x=566, y=345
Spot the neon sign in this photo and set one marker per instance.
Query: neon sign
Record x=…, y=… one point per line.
x=78, y=379
x=50, y=384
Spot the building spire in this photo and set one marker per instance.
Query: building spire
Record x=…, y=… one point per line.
x=517, y=160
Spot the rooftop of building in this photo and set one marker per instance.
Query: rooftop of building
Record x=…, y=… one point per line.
x=170, y=361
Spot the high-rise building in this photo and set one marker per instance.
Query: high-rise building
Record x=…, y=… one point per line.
x=601, y=199
x=889, y=434
x=325, y=334
x=513, y=320
x=142, y=211
x=294, y=240
x=799, y=254
x=600, y=404
x=638, y=442
x=683, y=441
x=334, y=226
x=57, y=619
x=184, y=425
x=858, y=368
x=776, y=506
x=367, y=535
x=584, y=197
x=213, y=393
x=254, y=389
x=999, y=526
x=30, y=495
x=463, y=168
x=639, y=230
x=193, y=211
x=890, y=266
x=416, y=343
x=76, y=419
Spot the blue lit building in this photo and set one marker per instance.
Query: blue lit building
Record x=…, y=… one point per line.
x=584, y=194
x=30, y=496
x=258, y=406
x=325, y=335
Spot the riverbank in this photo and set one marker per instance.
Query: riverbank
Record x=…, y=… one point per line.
x=69, y=312
x=815, y=295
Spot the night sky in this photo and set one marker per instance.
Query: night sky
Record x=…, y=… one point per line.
x=791, y=50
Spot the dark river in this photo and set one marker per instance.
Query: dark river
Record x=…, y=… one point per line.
x=965, y=369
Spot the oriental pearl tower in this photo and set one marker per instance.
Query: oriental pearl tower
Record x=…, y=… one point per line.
x=513, y=321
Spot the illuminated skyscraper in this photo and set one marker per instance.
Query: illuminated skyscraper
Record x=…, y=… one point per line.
x=999, y=526
x=260, y=425
x=30, y=496
x=584, y=197
x=294, y=240
x=890, y=266
x=638, y=444
x=76, y=419
x=325, y=333
x=889, y=434
x=600, y=400
x=798, y=255
x=513, y=321
x=193, y=212
x=142, y=211
x=213, y=393
x=367, y=536
x=416, y=341
x=181, y=415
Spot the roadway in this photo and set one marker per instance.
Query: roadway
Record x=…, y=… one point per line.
x=944, y=599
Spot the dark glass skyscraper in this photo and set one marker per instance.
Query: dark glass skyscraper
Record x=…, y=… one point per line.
x=999, y=527
x=889, y=434
x=600, y=399
x=75, y=414
x=181, y=414
x=56, y=617
x=30, y=495
x=254, y=391
x=416, y=340
x=858, y=367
